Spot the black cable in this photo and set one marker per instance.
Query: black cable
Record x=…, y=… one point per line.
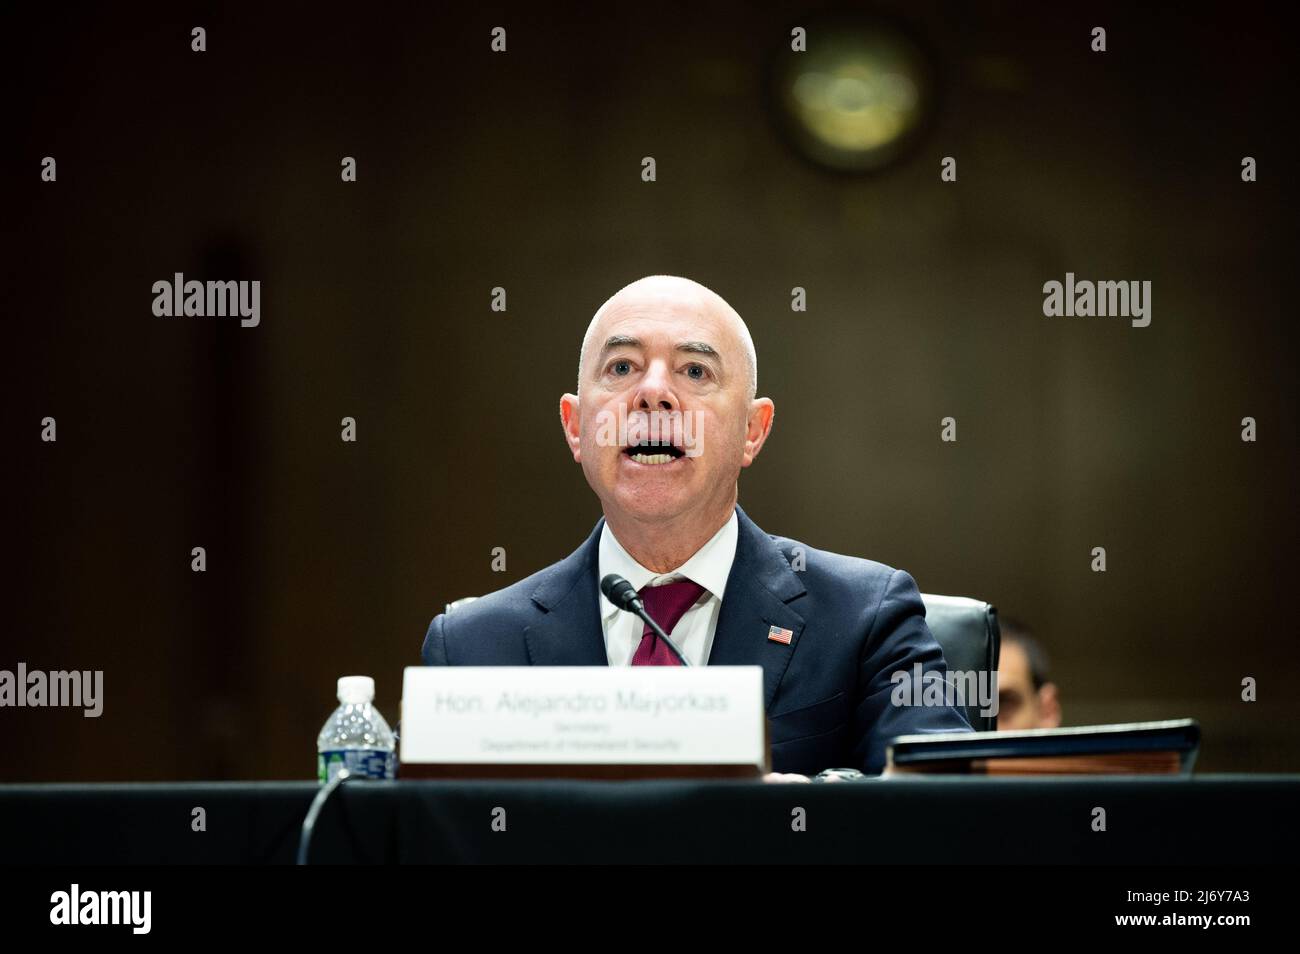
x=318, y=803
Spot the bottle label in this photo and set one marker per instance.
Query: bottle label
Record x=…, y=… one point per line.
x=368, y=763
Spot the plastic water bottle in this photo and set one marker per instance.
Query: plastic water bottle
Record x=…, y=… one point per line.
x=355, y=737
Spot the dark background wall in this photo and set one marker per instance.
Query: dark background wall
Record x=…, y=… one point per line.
x=523, y=170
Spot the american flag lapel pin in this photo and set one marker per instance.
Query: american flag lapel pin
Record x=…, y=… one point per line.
x=778, y=635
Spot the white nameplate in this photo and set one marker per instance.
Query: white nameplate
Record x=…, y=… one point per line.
x=584, y=715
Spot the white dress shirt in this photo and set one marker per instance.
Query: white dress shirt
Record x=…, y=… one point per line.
x=709, y=566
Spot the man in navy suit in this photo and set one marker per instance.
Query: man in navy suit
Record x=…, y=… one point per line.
x=664, y=419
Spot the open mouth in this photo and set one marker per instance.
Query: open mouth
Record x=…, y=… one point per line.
x=654, y=452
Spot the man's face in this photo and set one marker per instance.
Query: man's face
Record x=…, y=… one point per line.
x=665, y=362
x=1020, y=706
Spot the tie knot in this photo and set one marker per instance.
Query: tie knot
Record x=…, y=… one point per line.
x=669, y=602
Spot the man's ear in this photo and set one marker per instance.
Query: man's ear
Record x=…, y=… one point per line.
x=759, y=425
x=1049, y=707
x=571, y=422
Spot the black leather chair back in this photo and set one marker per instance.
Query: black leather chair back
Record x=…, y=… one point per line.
x=968, y=632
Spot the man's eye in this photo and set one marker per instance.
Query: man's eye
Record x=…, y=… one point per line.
x=621, y=367
x=696, y=372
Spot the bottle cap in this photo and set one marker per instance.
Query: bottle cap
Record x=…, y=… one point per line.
x=354, y=690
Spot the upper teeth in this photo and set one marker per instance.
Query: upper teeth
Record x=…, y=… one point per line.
x=652, y=458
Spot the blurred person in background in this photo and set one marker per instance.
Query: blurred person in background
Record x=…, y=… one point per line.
x=1027, y=698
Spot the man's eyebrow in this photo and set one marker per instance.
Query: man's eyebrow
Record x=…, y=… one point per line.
x=689, y=347
x=700, y=347
x=619, y=341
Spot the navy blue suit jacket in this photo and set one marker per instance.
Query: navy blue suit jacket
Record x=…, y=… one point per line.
x=828, y=694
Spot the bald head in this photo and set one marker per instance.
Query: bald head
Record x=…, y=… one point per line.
x=671, y=294
x=666, y=415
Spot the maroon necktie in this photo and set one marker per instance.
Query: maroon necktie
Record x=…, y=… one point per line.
x=666, y=605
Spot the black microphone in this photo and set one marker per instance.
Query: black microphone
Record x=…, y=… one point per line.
x=623, y=595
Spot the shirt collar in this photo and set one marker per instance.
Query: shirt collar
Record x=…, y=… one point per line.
x=709, y=566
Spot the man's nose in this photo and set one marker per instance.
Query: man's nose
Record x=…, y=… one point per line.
x=655, y=392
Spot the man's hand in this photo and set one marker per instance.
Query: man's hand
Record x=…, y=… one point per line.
x=785, y=777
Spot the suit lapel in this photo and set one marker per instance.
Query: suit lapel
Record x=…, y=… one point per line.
x=759, y=587
x=569, y=633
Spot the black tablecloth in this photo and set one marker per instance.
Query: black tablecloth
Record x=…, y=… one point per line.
x=1206, y=820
